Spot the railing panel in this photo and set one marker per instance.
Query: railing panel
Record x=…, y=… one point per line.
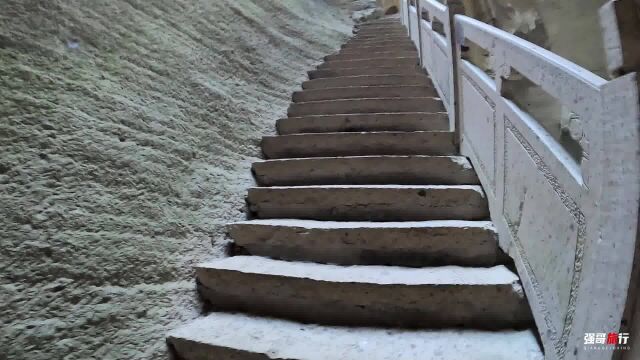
x=413, y=25
x=549, y=209
x=437, y=52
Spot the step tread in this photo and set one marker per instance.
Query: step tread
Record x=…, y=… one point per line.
x=314, y=224
x=215, y=335
x=364, y=92
x=411, y=121
x=375, y=169
x=366, y=274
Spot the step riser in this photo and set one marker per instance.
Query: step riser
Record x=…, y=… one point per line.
x=368, y=80
x=358, y=144
x=332, y=73
x=370, y=56
x=346, y=64
x=367, y=204
x=365, y=122
x=373, y=49
x=363, y=93
x=377, y=43
x=416, y=246
x=360, y=106
x=366, y=38
x=336, y=303
x=366, y=170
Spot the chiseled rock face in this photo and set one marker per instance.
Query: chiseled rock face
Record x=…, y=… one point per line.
x=126, y=136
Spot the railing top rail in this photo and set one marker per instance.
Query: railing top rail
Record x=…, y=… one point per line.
x=484, y=35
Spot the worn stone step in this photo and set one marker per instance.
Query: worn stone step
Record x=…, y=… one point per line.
x=247, y=337
x=364, y=92
x=432, y=297
x=385, y=169
x=368, y=80
x=371, y=49
x=369, y=202
x=416, y=121
x=376, y=43
x=369, y=55
x=407, y=243
x=392, y=61
x=357, y=71
x=367, y=38
x=383, y=25
x=360, y=106
x=358, y=144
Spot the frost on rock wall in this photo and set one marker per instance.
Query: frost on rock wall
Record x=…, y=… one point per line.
x=127, y=129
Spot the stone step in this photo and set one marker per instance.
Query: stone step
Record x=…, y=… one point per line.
x=363, y=92
x=358, y=144
x=408, y=243
x=369, y=202
x=386, y=26
x=371, y=49
x=369, y=55
x=385, y=169
x=360, y=106
x=415, y=121
x=246, y=337
x=411, y=61
x=433, y=297
x=376, y=43
x=364, y=37
x=368, y=80
x=357, y=71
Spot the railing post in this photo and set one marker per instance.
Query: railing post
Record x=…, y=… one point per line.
x=455, y=7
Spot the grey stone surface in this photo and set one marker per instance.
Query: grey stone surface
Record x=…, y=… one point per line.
x=377, y=62
x=370, y=202
x=244, y=337
x=363, y=122
x=359, y=106
x=414, y=169
x=127, y=131
x=419, y=244
x=430, y=297
x=363, y=92
x=358, y=144
x=368, y=80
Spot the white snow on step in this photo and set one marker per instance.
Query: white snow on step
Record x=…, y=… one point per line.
x=314, y=224
x=281, y=339
x=368, y=274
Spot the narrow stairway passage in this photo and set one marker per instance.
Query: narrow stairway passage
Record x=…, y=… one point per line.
x=369, y=235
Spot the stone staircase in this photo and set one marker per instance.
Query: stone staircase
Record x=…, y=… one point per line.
x=370, y=237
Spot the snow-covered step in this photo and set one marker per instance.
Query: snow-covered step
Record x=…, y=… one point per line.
x=377, y=70
x=433, y=297
x=407, y=243
x=413, y=121
x=383, y=169
x=364, y=92
x=368, y=80
x=358, y=144
x=360, y=106
x=391, y=61
x=384, y=54
x=221, y=336
x=369, y=202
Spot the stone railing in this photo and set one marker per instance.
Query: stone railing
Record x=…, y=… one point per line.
x=569, y=222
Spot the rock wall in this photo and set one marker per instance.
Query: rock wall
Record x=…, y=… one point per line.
x=127, y=129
